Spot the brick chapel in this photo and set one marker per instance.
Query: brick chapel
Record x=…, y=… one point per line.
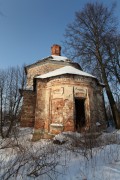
x=59, y=97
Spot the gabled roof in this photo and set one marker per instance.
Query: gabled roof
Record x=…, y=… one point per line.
x=65, y=70
x=51, y=58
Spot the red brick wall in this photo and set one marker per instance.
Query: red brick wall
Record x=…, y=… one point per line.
x=28, y=109
x=40, y=105
x=52, y=109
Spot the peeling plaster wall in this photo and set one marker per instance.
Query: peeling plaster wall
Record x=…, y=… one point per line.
x=55, y=104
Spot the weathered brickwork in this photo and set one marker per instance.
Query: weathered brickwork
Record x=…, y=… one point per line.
x=65, y=102
x=56, y=50
x=28, y=109
x=55, y=105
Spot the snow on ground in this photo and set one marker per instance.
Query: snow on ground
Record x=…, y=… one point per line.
x=66, y=157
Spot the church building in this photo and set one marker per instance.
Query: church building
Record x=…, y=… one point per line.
x=60, y=96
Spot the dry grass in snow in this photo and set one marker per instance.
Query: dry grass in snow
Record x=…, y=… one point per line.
x=69, y=156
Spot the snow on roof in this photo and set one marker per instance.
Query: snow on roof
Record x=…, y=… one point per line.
x=60, y=58
x=52, y=58
x=65, y=70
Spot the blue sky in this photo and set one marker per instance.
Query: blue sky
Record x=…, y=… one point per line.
x=28, y=28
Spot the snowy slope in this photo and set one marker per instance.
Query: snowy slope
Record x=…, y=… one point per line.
x=72, y=162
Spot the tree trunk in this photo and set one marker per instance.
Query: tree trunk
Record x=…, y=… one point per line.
x=10, y=127
x=115, y=112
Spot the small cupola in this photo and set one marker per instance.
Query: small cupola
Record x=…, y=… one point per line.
x=56, y=50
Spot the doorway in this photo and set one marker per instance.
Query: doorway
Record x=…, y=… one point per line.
x=79, y=114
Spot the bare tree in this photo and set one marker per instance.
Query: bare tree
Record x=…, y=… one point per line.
x=87, y=41
x=2, y=88
x=10, y=81
x=112, y=45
